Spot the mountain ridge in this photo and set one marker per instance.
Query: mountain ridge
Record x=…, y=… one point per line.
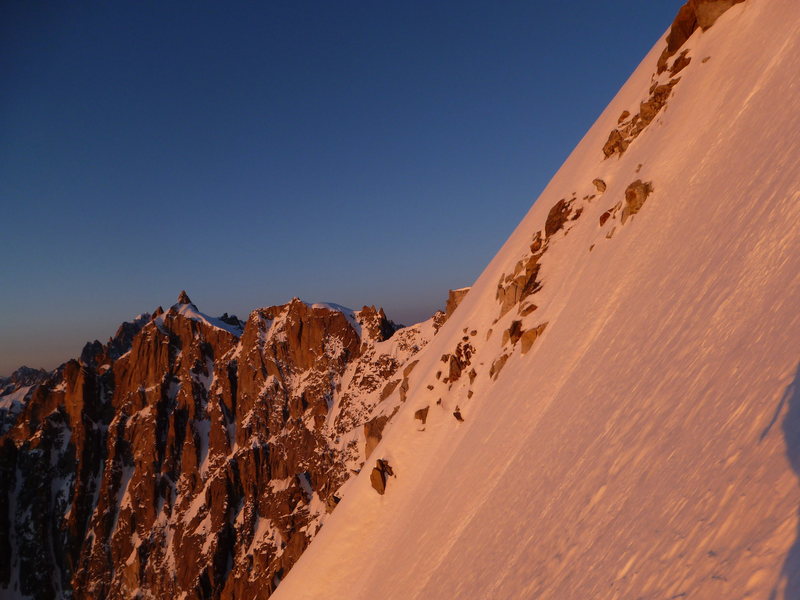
x=610, y=411
x=207, y=446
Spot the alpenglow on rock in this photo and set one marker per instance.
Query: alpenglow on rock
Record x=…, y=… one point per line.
x=191, y=456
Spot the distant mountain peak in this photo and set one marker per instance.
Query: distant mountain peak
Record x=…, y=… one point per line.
x=183, y=298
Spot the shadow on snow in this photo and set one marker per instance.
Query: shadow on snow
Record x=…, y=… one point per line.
x=791, y=434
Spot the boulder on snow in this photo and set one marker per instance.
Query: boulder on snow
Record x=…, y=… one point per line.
x=708, y=11
x=635, y=196
x=513, y=333
x=388, y=389
x=518, y=285
x=373, y=432
x=681, y=62
x=557, y=216
x=380, y=472
x=378, y=480
x=616, y=143
x=422, y=414
x=693, y=14
x=497, y=366
x=530, y=336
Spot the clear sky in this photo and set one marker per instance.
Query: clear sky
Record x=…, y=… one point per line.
x=353, y=152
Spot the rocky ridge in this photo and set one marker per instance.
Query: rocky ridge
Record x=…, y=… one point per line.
x=191, y=456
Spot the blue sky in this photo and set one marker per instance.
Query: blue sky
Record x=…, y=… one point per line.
x=352, y=152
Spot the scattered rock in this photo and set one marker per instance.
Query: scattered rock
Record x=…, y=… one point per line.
x=682, y=28
x=388, y=389
x=404, y=388
x=456, y=366
x=635, y=196
x=619, y=139
x=457, y=415
x=331, y=503
x=706, y=59
x=521, y=283
x=599, y=183
x=373, y=432
x=708, y=11
x=497, y=366
x=693, y=14
x=439, y=319
x=536, y=244
x=379, y=474
x=530, y=336
x=681, y=62
x=409, y=367
x=625, y=114
x=605, y=217
x=422, y=415
x=557, y=216
x=616, y=144
x=513, y=333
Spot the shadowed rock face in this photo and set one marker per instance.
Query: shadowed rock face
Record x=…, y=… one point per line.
x=190, y=455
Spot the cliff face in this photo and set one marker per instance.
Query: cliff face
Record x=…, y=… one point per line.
x=191, y=456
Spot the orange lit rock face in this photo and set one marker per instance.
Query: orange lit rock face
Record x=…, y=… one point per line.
x=693, y=14
x=190, y=455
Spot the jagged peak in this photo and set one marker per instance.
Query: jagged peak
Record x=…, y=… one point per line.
x=187, y=309
x=26, y=376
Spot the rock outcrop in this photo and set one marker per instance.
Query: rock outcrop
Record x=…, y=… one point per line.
x=635, y=196
x=693, y=14
x=192, y=456
x=454, y=298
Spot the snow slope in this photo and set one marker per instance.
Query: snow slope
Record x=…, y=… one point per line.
x=648, y=445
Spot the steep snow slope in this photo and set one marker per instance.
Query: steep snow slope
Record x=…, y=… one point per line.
x=648, y=444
